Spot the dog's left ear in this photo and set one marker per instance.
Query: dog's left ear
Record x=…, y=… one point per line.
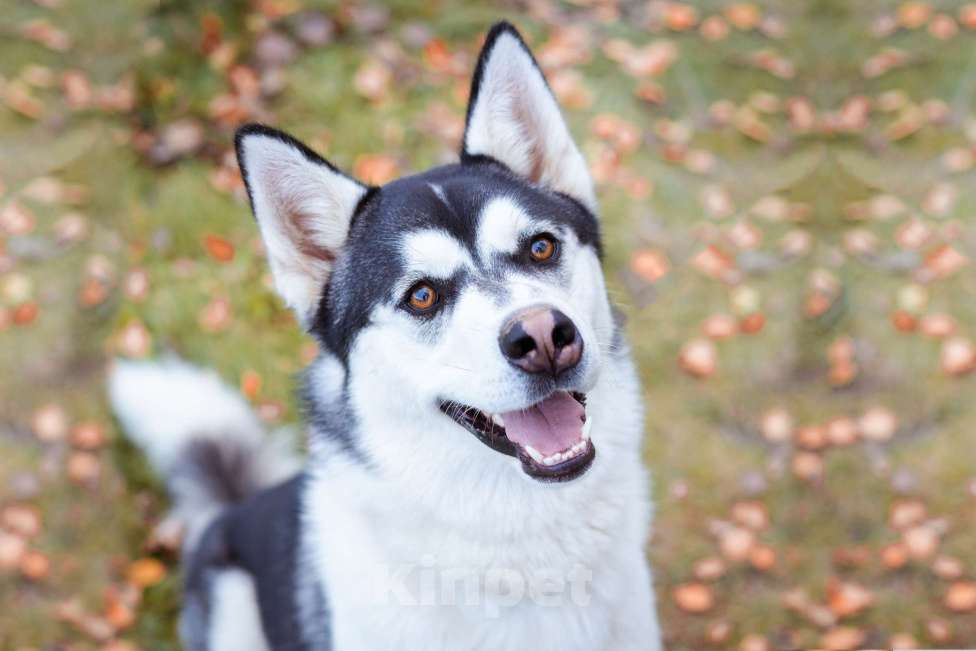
x=304, y=207
x=513, y=118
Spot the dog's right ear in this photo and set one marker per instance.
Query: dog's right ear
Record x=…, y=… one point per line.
x=304, y=207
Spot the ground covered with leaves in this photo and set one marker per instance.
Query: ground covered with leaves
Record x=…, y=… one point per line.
x=787, y=193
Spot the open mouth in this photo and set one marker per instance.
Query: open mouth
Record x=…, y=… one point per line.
x=551, y=438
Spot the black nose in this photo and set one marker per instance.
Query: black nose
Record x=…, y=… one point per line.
x=541, y=340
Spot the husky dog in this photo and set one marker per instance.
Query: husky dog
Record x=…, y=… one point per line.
x=474, y=478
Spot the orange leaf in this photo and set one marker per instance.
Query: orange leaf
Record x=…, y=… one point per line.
x=219, y=248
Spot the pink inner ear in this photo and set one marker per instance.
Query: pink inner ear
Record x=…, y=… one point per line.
x=305, y=243
x=527, y=125
x=298, y=221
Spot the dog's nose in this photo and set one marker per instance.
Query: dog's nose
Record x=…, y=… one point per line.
x=541, y=340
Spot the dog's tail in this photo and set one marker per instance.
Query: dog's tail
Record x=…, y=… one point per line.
x=201, y=437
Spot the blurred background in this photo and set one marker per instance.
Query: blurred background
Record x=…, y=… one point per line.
x=787, y=203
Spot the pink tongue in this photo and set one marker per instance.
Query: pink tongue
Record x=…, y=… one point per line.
x=550, y=426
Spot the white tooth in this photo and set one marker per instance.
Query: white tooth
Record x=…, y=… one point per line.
x=549, y=461
x=498, y=420
x=535, y=454
x=586, y=429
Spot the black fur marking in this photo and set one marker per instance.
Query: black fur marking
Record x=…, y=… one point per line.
x=371, y=264
x=262, y=536
x=330, y=416
x=225, y=470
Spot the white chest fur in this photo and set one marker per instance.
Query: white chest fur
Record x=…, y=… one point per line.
x=500, y=562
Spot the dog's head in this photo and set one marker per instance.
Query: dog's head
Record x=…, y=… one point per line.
x=468, y=298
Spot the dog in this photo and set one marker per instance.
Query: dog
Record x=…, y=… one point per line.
x=474, y=476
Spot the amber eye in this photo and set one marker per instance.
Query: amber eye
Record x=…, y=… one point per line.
x=422, y=297
x=542, y=248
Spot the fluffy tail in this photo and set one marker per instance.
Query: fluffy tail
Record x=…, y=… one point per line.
x=201, y=437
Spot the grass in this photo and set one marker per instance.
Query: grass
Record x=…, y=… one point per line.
x=701, y=434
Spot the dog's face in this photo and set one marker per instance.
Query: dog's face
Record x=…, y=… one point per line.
x=471, y=293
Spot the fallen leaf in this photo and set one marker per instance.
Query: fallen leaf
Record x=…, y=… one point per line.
x=736, y=543
x=762, y=558
x=680, y=17
x=720, y=327
x=216, y=316
x=372, y=80
x=743, y=15
x=754, y=643
x=16, y=219
x=922, y=541
x=376, y=169
x=698, y=357
x=716, y=201
x=21, y=519
x=958, y=356
x=694, y=597
x=136, y=285
x=718, y=633
x=251, y=383
x=83, y=467
x=808, y=466
x=714, y=28
x=939, y=630
x=709, y=569
x=50, y=423
x=841, y=431
x=776, y=425
x=35, y=566
x=811, y=437
x=219, y=248
x=961, y=597
x=937, y=325
x=894, y=556
x=649, y=265
x=12, y=550
x=948, y=568
x=842, y=638
x=906, y=512
x=751, y=514
x=146, y=572
x=847, y=599
x=88, y=436
x=878, y=424
x=134, y=340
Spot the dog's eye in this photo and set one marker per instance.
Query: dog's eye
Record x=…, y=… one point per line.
x=542, y=247
x=422, y=297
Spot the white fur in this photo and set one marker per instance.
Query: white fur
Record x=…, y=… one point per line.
x=303, y=209
x=433, y=253
x=235, y=621
x=516, y=120
x=500, y=226
x=435, y=499
x=456, y=506
x=439, y=193
x=164, y=405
